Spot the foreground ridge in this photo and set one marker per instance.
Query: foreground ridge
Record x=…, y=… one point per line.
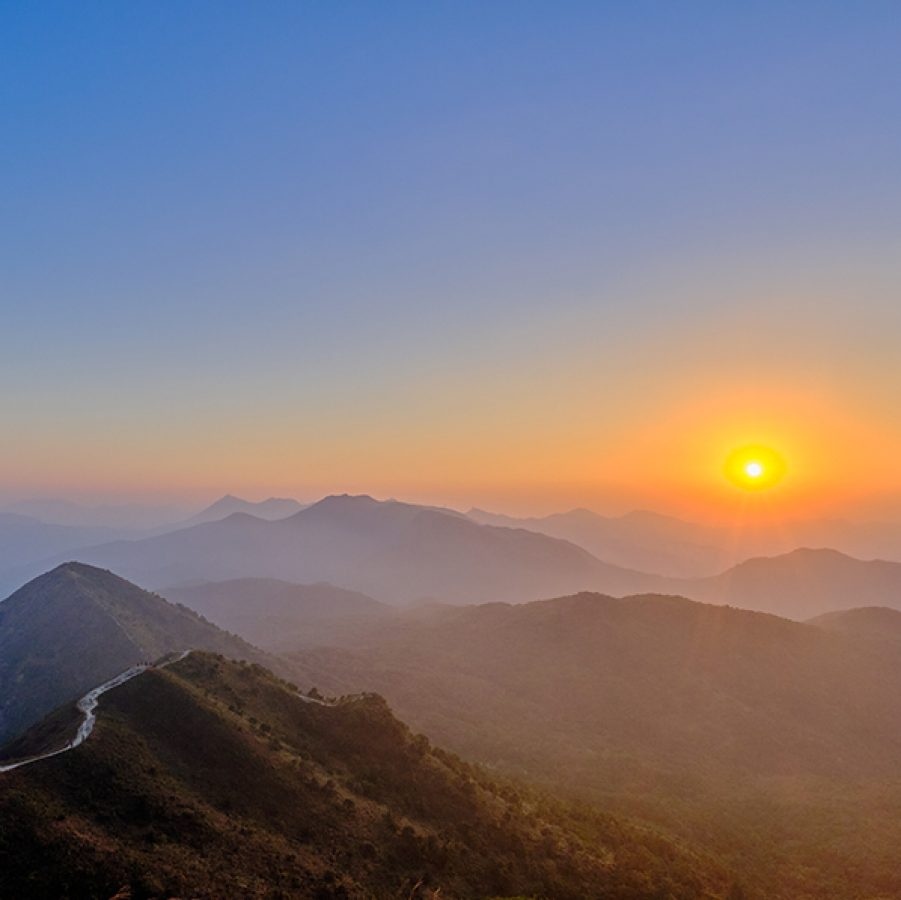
x=87, y=706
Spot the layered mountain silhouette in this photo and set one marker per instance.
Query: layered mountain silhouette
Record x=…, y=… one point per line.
x=800, y=584
x=400, y=553
x=277, y=615
x=271, y=509
x=77, y=626
x=876, y=622
x=670, y=546
x=118, y=517
x=392, y=551
x=212, y=779
x=26, y=540
x=641, y=540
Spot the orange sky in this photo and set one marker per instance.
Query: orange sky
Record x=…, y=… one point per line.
x=510, y=261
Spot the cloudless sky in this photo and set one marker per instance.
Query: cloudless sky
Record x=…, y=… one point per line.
x=524, y=255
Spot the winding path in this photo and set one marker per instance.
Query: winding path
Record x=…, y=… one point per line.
x=87, y=706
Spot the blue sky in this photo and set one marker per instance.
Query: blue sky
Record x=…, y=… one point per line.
x=392, y=239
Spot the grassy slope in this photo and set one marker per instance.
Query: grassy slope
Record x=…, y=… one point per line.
x=212, y=779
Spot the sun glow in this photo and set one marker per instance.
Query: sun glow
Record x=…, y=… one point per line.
x=755, y=468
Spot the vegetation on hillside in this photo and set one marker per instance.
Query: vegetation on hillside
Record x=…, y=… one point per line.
x=214, y=779
x=770, y=742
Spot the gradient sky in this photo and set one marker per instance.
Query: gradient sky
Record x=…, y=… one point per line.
x=521, y=255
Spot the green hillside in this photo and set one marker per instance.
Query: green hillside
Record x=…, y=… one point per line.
x=212, y=779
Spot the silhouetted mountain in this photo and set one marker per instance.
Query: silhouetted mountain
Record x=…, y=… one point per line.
x=640, y=540
x=801, y=584
x=271, y=509
x=276, y=615
x=77, y=626
x=395, y=552
x=212, y=779
x=25, y=540
x=652, y=542
x=751, y=733
x=119, y=517
x=399, y=552
x=876, y=622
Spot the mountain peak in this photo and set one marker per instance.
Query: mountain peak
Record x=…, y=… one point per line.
x=271, y=508
x=77, y=626
x=346, y=500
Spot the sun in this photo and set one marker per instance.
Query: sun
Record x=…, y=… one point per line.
x=755, y=468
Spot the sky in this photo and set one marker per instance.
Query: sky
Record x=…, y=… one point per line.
x=520, y=255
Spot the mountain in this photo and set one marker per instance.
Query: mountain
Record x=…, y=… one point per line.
x=402, y=553
x=77, y=626
x=271, y=509
x=876, y=622
x=651, y=542
x=25, y=540
x=392, y=551
x=801, y=584
x=119, y=517
x=641, y=540
x=276, y=615
x=213, y=779
x=771, y=742
x=638, y=672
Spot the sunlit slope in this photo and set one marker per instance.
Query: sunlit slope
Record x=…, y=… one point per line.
x=213, y=779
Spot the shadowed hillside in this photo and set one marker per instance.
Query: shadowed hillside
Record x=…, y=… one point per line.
x=277, y=615
x=77, y=626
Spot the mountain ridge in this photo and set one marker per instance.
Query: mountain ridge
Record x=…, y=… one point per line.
x=392, y=551
x=213, y=774
x=77, y=626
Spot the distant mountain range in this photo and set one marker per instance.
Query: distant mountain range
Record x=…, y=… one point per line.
x=25, y=540
x=77, y=626
x=800, y=584
x=119, y=517
x=639, y=540
x=57, y=529
x=271, y=509
x=401, y=553
x=277, y=615
x=141, y=520
x=665, y=545
x=392, y=551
